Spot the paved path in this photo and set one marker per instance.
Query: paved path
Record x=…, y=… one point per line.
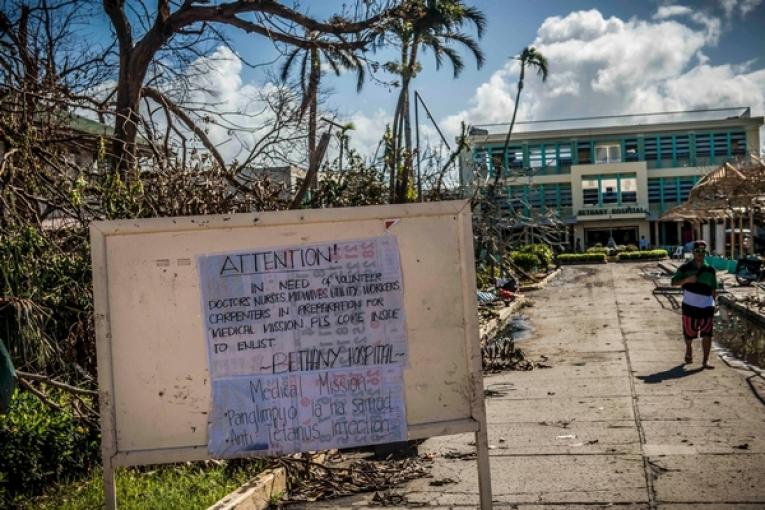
x=617, y=420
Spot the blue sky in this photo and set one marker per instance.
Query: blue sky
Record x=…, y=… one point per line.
x=511, y=26
x=606, y=57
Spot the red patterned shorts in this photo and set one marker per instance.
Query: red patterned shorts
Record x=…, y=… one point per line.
x=694, y=327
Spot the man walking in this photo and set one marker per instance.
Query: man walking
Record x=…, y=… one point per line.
x=699, y=282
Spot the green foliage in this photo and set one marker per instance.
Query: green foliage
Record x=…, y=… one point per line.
x=631, y=247
x=40, y=445
x=525, y=260
x=357, y=185
x=484, y=275
x=120, y=199
x=543, y=253
x=45, y=319
x=166, y=487
x=643, y=255
x=275, y=498
x=572, y=258
x=598, y=248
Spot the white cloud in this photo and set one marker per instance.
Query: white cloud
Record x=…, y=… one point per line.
x=667, y=11
x=747, y=6
x=728, y=6
x=581, y=25
x=712, y=24
x=744, y=6
x=604, y=66
x=216, y=82
x=598, y=66
x=368, y=130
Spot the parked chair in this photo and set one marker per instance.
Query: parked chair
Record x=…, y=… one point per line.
x=678, y=253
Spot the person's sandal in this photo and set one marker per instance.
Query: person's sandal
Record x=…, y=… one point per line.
x=708, y=366
x=688, y=358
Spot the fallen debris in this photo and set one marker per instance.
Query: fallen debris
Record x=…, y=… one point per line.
x=460, y=455
x=560, y=423
x=498, y=389
x=441, y=482
x=502, y=354
x=389, y=498
x=312, y=481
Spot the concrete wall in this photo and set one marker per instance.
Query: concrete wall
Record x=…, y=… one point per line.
x=753, y=139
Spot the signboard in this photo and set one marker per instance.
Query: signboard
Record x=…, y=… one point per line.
x=614, y=213
x=264, y=333
x=600, y=211
x=307, y=411
x=306, y=345
x=304, y=307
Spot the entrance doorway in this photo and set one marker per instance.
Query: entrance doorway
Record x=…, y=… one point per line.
x=622, y=235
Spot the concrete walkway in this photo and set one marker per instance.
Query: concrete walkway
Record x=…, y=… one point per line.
x=617, y=421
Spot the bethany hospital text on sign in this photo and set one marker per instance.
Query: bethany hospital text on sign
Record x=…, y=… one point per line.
x=306, y=346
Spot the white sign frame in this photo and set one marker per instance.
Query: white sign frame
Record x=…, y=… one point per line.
x=448, y=223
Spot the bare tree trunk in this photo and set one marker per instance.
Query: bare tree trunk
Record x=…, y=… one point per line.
x=134, y=63
x=313, y=87
x=503, y=169
x=407, y=160
x=405, y=147
x=313, y=168
x=340, y=157
x=397, y=127
x=126, y=124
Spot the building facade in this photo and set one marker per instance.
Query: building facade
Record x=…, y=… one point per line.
x=611, y=176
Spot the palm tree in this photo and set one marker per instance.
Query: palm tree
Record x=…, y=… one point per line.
x=528, y=57
x=310, y=78
x=429, y=25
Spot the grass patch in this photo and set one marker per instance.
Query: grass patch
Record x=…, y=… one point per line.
x=166, y=487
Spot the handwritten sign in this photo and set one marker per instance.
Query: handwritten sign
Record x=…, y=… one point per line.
x=287, y=316
x=301, y=411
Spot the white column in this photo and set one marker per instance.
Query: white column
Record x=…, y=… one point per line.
x=705, y=233
x=720, y=238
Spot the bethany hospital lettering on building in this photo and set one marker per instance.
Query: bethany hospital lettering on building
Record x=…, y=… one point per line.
x=611, y=175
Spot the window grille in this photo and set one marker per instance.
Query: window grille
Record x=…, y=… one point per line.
x=654, y=191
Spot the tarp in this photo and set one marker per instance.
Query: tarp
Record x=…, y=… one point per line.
x=7, y=379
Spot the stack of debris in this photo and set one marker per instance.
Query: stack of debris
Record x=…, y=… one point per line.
x=312, y=481
x=492, y=299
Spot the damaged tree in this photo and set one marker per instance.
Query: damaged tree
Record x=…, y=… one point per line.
x=500, y=225
x=193, y=23
x=427, y=25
